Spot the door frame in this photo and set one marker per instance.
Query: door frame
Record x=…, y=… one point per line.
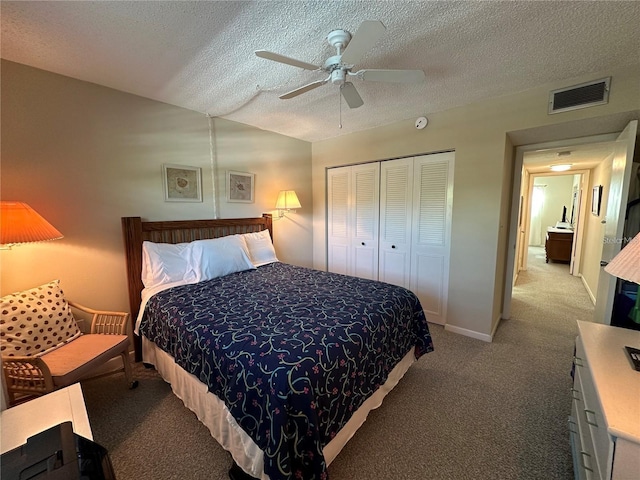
x=576, y=249
x=515, y=203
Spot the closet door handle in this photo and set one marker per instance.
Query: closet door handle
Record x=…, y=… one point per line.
x=363, y=244
x=393, y=246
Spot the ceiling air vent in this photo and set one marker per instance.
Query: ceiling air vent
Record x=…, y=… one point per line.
x=584, y=95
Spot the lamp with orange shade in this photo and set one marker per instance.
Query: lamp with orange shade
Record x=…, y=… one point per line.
x=19, y=224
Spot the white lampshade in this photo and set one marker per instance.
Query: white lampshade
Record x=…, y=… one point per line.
x=287, y=200
x=626, y=264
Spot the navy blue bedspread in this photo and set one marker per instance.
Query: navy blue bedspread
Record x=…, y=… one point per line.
x=291, y=351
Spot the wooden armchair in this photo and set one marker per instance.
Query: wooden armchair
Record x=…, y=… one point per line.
x=27, y=376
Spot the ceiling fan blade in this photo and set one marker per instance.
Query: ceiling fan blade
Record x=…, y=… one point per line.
x=369, y=32
x=398, y=76
x=351, y=95
x=303, y=89
x=276, y=57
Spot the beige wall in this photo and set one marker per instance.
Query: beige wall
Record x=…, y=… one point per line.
x=83, y=156
x=479, y=135
x=594, y=229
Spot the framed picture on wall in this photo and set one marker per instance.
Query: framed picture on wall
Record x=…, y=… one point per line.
x=596, y=198
x=240, y=187
x=182, y=183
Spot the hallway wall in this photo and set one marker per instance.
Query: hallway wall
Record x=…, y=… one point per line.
x=594, y=229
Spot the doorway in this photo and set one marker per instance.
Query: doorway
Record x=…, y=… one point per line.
x=555, y=210
x=588, y=155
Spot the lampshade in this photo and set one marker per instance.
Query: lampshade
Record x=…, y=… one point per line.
x=626, y=264
x=19, y=223
x=287, y=200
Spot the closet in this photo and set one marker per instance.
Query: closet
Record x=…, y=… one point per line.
x=391, y=221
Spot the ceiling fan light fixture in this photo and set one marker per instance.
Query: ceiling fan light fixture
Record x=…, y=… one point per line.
x=338, y=76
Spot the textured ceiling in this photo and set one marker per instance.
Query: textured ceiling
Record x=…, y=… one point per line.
x=200, y=55
x=580, y=157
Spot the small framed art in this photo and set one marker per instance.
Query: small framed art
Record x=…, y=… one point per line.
x=182, y=183
x=596, y=198
x=240, y=187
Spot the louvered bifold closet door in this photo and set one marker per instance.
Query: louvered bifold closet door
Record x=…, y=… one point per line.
x=431, y=236
x=338, y=220
x=396, y=204
x=365, y=219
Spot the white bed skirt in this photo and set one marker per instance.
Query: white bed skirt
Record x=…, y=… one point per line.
x=213, y=413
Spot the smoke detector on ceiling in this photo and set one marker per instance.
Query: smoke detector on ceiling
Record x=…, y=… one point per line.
x=421, y=122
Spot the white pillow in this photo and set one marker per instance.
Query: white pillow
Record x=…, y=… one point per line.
x=165, y=263
x=260, y=247
x=217, y=257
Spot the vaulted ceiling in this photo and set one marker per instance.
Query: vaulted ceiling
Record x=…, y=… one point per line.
x=200, y=55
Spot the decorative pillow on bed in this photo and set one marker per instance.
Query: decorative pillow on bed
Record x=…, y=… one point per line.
x=217, y=257
x=36, y=321
x=260, y=247
x=166, y=263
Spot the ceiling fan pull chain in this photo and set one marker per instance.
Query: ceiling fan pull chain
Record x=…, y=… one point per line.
x=340, y=106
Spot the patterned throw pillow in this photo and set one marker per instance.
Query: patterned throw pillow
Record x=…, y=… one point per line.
x=36, y=321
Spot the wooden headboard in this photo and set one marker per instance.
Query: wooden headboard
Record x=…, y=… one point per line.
x=136, y=231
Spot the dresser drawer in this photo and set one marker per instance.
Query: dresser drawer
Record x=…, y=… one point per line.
x=590, y=416
x=584, y=453
x=584, y=463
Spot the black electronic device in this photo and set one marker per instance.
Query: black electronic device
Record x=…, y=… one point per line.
x=634, y=354
x=57, y=454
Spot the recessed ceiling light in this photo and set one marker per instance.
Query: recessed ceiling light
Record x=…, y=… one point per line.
x=561, y=168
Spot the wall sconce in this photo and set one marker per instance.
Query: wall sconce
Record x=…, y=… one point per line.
x=287, y=201
x=19, y=224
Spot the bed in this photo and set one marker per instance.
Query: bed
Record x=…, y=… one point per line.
x=281, y=363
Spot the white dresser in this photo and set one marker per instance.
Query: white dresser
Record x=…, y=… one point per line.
x=32, y=417
x=605, y=416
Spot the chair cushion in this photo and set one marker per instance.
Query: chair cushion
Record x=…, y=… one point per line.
x=35, y=321
x=75, y=360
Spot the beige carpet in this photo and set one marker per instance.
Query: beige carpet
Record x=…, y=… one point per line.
x=469, y=410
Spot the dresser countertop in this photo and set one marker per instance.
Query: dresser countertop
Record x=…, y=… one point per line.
x=617, y=382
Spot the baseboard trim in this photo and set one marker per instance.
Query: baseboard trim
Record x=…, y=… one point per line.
x=589, y=292
x=469, y=333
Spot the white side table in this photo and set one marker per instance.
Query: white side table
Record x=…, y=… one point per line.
x=27, y=419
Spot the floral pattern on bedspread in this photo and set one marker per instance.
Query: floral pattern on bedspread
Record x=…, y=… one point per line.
x=291, y=351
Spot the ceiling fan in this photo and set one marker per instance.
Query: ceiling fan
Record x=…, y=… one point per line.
x=349, y=49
